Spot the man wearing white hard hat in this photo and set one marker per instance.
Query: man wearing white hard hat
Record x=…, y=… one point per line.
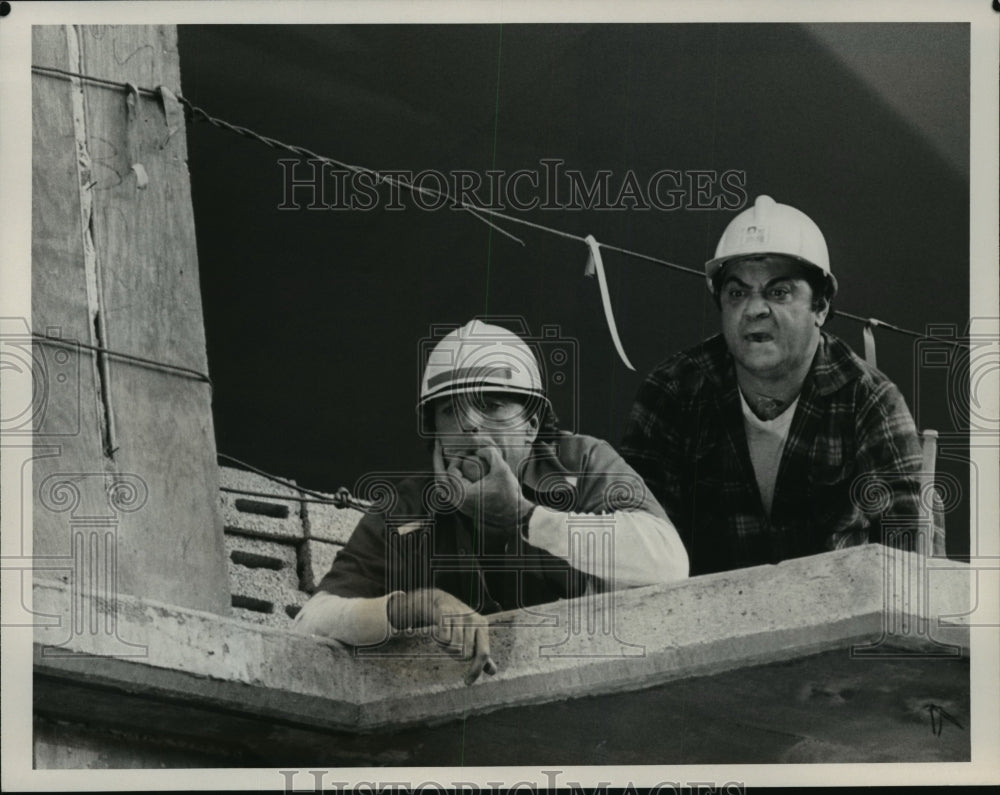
x=759, y=441
x=505, y=495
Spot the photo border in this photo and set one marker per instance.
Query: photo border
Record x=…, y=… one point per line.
x=15, y=181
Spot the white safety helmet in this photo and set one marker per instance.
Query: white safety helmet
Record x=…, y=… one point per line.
x=772, y=228
x=479, y=358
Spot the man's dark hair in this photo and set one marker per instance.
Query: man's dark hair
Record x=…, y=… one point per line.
x=548, y=422
x=821, y=286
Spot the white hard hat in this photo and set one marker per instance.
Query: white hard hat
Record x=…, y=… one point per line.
x=772, y=228
x=478, y=358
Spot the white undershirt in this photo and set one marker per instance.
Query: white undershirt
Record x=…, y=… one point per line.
x=766, y=440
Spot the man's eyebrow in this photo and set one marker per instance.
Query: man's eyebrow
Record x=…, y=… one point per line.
x=790, y=277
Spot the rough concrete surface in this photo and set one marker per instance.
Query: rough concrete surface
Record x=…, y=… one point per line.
x=657, y=634
x=84, y=748
x=329, y=523
x=264, y=579
x=263, y=517
x=317, y=557
x=114, y=265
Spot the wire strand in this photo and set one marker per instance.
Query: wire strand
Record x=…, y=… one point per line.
x=342, y=498
x=474, y=210
x=337, y=503
x=129, y=357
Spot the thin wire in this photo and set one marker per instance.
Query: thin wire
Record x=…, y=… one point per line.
x=129, y=357
x=881, y=323
x=492, y=225
x=342, y=499
x=648, y=258
x=52, y=71
x=286, y=497
x=273, y=143
x=474, y=210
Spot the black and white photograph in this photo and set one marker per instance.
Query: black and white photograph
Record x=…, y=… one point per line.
x=499, y=396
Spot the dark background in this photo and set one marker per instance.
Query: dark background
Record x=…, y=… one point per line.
x=314, y=317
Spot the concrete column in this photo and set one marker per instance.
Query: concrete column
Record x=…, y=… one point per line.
x=114, y=265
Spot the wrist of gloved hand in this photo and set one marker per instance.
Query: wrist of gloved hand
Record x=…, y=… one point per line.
x=411, y=609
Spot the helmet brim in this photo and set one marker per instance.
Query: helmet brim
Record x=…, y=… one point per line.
x=479, y=388
x=713, y=266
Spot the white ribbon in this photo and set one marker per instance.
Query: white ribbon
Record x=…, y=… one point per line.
x=172, y=112
x=596, y=265
x=869, y=337
x=133, y=135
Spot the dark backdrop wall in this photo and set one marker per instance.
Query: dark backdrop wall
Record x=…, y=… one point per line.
x=314, y=316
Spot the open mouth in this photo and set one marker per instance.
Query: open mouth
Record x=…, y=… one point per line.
x=759, y=336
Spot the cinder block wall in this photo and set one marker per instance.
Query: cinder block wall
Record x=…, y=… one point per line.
x=278, y=546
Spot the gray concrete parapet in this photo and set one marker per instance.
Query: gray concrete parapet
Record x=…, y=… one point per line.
x=603, y=644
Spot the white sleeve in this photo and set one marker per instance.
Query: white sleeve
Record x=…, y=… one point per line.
x=354, y=621
x=624, y=549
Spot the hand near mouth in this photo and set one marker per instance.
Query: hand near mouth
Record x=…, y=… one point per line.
x=494, y=497
x=468, y=463
x=472, y=468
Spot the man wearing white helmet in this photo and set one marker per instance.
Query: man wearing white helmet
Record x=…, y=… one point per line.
x=753, y=440
x=508, y=498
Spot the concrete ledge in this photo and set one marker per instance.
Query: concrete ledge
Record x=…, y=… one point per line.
x=637, y=638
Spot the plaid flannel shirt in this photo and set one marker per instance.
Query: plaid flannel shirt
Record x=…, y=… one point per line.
x=850, y=467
